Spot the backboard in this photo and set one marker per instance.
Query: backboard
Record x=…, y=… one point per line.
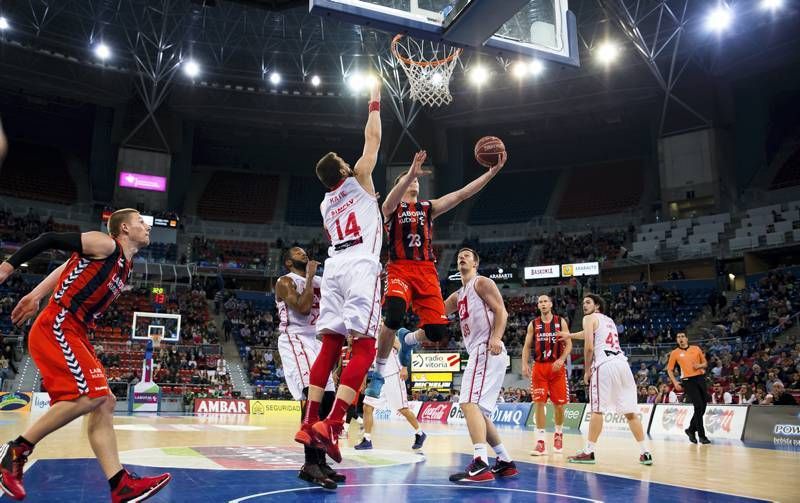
x=543, y=29
x=167, y=327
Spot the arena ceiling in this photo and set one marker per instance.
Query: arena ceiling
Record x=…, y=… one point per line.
x=668, y=73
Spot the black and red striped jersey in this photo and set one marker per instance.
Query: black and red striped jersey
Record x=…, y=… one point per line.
x=410, y=231
x=88, y=286
x=546, y=347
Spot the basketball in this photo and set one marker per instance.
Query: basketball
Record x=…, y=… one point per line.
x=488, y=150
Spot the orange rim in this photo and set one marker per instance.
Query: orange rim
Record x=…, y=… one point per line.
x=436, y=62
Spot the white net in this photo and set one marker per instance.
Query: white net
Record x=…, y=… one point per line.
x=428, y=67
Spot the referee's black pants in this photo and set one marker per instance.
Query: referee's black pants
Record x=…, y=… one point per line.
x=695, y=388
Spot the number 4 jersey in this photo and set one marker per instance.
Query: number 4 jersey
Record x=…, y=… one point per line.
x=352, y=220
x=606, y=341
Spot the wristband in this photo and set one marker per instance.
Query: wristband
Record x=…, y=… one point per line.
x=374, y=106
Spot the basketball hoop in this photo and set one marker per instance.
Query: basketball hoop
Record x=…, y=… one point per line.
x=428, y=67
x=156, y=338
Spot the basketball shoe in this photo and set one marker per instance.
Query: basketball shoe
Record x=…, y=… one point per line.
x=374, y=385
x=314, y=474
x=331, y=473
x=504, y=469
x=363, y=445
x=419, y=439
x=477, y=471
x=540, y=449
x=13, y=457
x=558, y=442
x=327, y=433
x=405, y=349
x=134, y=488
x=691, y=434
x=305, y=436
x=646, y=458
x=586, y=458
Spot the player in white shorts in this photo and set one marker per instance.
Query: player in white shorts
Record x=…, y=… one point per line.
x=393, y=396
x=611, y=384
x=350, y=303
x=298, y=294
x=483, y=319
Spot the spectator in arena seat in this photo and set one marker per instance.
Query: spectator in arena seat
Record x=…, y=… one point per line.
x=772, y=378
x=779, y=396
x=666, y=394
x=652, y=394
x=642, y=375
x=720, y=396
x=795, y=382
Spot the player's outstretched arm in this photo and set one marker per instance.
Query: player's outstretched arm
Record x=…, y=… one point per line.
x=588, y=346
x=487, y=290
x=396, y=194
x=92, y=244
x=453, y=199
x=28, y=305
x=451, y=304
x=372, y=141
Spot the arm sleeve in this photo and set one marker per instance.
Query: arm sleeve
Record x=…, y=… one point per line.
x=66, y=241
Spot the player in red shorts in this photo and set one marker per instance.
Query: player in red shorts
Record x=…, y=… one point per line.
x=412, y=280
x=549, y=371
x=84, y=287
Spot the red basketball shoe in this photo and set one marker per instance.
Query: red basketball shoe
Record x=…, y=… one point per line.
x=12, y=460
x=477, y=471
x=540, y=449
x=327, y=434
x=558, y=442
x=134, y=488
x=505, y=469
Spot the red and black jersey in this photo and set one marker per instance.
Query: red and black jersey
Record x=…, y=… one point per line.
x=546, y=347
x=87, y=286
x=410, y=230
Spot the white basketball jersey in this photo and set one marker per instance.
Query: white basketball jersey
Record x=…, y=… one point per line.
x=352, y=220
x=606, y=341
x=292, y=322
x=475, y=316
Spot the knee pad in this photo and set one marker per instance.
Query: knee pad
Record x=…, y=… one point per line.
x=435, y=333
x=363, y=354
x=327, y=404
x=326, y=360
x=395, y=312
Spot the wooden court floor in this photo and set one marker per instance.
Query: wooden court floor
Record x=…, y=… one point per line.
x=220, y=444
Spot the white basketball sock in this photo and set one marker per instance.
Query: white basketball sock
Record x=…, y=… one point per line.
x=367, y=437
x=540, y=434
x=643, y=447
x=589, y=448
x=559, y=428
x=481, y=452
x=501, y=452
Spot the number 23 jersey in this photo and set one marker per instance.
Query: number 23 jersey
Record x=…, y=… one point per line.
x=352, y=220
x=410, y=230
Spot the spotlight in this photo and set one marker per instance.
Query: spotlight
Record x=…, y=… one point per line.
x=315, y=81
x=4, y=23
x=371, y=80
x=356, y=82
x=191, y=68
x=720, y=18
x=275, y=78
x=520, y=69
x=771, y=4
x=102, y=51
x=536, y=67
x=479, y=75
x=607, y=52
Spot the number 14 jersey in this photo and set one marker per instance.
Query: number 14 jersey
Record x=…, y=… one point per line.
x=352, y=220
x=606, y=341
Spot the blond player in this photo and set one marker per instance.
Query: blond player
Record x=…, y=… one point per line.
x=611, y=384
x=483, y=319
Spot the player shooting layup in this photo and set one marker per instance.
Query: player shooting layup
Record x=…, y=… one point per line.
x=611, y=384
x=483, y=319
x=85, y=286
x=350, y=303
x=412, y=279
x=298, y=295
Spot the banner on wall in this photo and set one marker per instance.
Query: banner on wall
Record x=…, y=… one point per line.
x=289, y=409
x=435, y=362
x=573, y=413
x=15, y=401
x=542, y=272
x=582, y=269
x=721, y=421
x=40, y=402
x=777, y=425
x=434, y=412
x=384, y=414
x=618, y=422
x=221, y=406
x=512, y=414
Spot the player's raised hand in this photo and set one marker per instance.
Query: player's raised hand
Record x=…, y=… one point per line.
x=501, y=161
x=26, y=308
x=311, y=268
x=416, y=170
x=6, y=270
x=375, y=89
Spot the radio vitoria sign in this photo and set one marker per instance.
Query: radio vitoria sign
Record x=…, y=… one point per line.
x=435, y=362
